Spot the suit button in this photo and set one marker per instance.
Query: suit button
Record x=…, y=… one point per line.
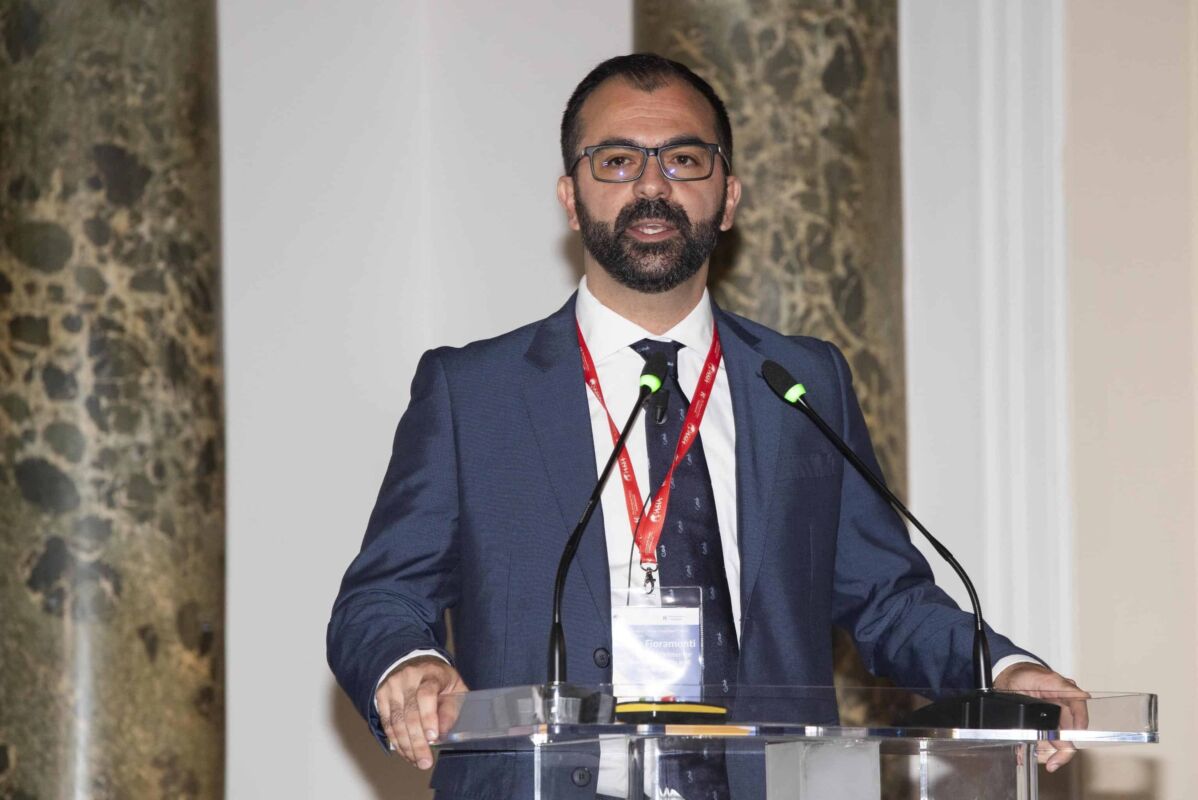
x=602, y=658
x=580, y=777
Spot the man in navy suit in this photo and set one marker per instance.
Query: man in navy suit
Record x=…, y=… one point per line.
x=500, y=447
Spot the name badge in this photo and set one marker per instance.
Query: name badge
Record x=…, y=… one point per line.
x=657, y=646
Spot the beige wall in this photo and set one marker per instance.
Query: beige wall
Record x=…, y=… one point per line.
x=1130, y=157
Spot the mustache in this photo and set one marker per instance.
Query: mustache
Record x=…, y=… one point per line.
x=652, y=209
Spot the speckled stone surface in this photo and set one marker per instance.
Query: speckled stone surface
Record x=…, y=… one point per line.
x=812, y=89
x=111, y=477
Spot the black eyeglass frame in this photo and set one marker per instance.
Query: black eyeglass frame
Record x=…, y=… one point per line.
x=652, y=152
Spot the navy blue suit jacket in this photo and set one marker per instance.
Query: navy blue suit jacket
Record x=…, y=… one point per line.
x=493, y=462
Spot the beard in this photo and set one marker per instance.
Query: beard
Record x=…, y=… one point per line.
x=650, y=267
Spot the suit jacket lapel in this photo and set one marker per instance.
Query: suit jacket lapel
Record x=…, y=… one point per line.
x=758, y=416
x=555, y=396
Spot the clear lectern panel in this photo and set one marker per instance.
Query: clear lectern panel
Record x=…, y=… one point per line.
x=765, y=743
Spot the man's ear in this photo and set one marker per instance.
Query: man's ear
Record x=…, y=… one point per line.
x=731, y=201
x=565, y=196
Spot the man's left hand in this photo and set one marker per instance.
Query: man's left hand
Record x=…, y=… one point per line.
x=1039, y=681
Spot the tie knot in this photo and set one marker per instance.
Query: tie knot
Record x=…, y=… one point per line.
x=648, y=347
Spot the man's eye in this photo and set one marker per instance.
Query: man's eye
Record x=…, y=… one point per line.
x=683, y=160
x=617, y=161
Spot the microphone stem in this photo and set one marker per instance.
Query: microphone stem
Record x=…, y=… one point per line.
x=557, y=636
x=983, y=670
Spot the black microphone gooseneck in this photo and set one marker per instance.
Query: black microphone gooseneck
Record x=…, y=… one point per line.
x=790, y=390
x=652, y=378
x=983, y=708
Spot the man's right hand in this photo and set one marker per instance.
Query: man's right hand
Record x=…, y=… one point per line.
x=414, y=708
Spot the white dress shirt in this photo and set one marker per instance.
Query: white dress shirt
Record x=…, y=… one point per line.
x=609, y=338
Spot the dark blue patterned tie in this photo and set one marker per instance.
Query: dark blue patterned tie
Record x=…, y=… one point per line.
x=689, y=552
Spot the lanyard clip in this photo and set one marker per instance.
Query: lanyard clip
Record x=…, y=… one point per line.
x=650, y=577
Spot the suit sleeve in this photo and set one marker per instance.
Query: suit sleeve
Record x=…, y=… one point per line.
x=394, y=595
x=906, y=627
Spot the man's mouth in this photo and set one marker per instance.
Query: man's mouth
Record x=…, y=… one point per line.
x=651, y=230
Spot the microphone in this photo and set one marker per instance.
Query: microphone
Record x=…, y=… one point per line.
x=983, y=707
x=660, y=405
x=652, y=377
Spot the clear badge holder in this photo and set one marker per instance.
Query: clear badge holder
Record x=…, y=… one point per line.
x=657, y=645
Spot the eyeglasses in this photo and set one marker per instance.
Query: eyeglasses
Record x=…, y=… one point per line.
x=621, y=163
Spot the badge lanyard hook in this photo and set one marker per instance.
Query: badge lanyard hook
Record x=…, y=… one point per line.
x=650, y=577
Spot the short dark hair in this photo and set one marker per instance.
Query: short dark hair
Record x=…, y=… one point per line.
x=647, y=72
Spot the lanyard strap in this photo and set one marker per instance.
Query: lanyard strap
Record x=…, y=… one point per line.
x=648, y=532
x=632, y=492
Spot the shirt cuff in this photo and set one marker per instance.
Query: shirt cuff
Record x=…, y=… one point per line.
x=1011, y=661
x=400, y=662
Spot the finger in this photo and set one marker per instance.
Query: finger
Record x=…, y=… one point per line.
x=1074, y=712
x=422, y=756
x=448, y=707
x=384, y=707
x=449, y=704
x=1073, y=717
x=1073, y=704
x=403, y=742
x=1065, y=751
x=1080, y=713
x=426, y=701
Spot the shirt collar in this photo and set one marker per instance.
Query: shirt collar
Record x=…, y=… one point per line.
x=607, y=333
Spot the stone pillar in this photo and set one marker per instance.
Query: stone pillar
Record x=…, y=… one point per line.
x=111, y=477
x=812, y=89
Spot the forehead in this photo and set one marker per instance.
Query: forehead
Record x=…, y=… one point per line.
x=619, y=110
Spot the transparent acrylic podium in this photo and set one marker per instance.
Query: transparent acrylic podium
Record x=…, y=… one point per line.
x=776, y=743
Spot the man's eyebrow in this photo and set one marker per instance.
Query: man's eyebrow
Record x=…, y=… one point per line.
x=686, y=138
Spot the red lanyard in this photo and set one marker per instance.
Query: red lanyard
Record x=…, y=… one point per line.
x=648, y=533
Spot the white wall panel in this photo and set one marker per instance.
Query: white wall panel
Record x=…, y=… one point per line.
x=982, y=128
x=388, y=175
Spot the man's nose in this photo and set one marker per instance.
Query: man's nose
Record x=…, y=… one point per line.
x=653, y=182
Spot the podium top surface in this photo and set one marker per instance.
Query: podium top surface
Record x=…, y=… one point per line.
x=522, y=717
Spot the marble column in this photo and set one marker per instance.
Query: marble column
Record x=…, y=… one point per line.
x=111, y=477
x=812, y=89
